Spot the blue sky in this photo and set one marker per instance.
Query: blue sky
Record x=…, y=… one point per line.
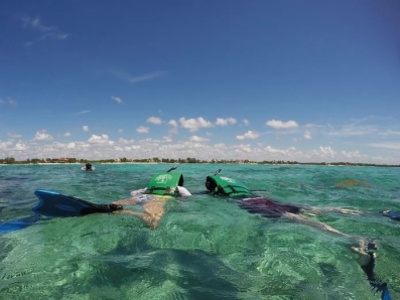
x=308, y=81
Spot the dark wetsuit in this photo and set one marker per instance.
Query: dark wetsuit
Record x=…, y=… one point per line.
x=268, y=208
x=393, y=215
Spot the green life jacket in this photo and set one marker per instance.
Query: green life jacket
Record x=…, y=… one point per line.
x=227, y=186
x=165, y=184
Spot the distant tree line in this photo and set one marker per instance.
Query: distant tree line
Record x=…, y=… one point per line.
x=191, y=160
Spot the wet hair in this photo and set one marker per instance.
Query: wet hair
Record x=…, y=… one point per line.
x=210, y=184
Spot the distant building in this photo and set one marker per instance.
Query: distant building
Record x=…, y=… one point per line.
x=62, y=160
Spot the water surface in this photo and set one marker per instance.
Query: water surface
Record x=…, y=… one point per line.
x=205, y=247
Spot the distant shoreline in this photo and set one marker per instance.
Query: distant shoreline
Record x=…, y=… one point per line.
x=339, y=164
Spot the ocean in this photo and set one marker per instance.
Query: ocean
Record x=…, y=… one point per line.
x=205, y=247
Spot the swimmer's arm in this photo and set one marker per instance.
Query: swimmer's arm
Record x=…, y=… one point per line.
x=343, y=210
x=183, y=191
x=138, y=192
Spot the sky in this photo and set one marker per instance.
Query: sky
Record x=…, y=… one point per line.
x=306, y=81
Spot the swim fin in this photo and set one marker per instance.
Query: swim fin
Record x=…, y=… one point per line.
x=54, y=204
x=18, y=224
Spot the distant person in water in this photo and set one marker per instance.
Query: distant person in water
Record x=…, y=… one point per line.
x=225, y=186
x=161, y=189
x=88, y=167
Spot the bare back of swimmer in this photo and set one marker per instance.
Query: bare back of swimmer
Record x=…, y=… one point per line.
x=153, y=205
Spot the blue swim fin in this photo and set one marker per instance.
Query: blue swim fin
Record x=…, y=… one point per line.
x=385, y=294
x=18, y=224
x=54, y=204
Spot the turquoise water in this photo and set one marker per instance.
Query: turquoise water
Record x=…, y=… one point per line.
x=205, y=247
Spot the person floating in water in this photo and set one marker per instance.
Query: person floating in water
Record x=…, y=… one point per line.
x=160, y=190
x=88, y=167
x=225, y=186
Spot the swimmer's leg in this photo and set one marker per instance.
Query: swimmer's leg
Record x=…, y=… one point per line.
x=361, y=243
x=144, y=216
x=155, y=210
x=314, y=224
x=312, y=211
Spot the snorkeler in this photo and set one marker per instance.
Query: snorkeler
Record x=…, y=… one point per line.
x=161, y=188
x=225, y=186
x=153, y=198
x=88, y=167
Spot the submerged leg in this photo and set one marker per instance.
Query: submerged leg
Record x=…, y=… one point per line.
x=360, y=248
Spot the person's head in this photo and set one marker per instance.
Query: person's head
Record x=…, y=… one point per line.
x=385, y=212
x=210, y=184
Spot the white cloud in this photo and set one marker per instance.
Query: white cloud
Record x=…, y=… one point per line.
x=67, y=134
x=42, y=136
x=103, y=139
x=14, y=135
x=242, y=148
x=85, y=128
x=82, y=112
x=167, y=139
x=354, y=130
x=198, y=139
x=225, y=122
x=20, y=147
x=325, y=151
x=45, y=32
x=194, y=124
x=277, y=124
x=173, y=126
x=142, y=129
x=8, y=101
x=117, y=99
x=248, y=135
x=307, y=135
x=386, y=145
x=271, y=150
x=154, y=120
x=140, y=78
x=246, y=122
x=389, y=133
x=100, y=147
